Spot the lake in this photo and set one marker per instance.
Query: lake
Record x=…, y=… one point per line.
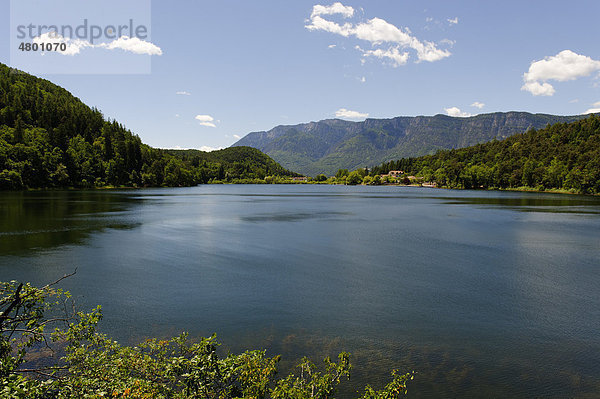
x=483, y=294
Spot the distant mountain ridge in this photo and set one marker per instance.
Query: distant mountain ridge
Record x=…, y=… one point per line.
x=332, y=144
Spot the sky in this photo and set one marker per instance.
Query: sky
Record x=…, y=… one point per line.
x=202, y=74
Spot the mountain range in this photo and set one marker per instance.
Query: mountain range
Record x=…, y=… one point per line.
x=332, y=144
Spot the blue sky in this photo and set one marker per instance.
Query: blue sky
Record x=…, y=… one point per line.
x=222, y=69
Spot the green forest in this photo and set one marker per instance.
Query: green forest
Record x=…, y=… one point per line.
x=50, y=139
x=563, y=156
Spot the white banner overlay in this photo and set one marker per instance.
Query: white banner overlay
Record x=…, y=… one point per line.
x=82, y=37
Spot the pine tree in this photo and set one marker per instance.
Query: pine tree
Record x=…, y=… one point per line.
x=18, y=134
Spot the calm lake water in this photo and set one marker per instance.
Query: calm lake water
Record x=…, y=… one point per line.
x=484, y=294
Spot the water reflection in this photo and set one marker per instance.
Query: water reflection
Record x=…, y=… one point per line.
x=532, y=202
x=47, y=219
x=293, y=216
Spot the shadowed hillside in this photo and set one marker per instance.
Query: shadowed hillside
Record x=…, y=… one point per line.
x=49, y=138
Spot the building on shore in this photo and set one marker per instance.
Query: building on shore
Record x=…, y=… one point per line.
x=395, y=173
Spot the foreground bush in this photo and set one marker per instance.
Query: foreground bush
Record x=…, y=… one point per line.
x=94, y=366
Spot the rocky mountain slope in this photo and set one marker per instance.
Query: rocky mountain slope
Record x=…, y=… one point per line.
x=332, y=144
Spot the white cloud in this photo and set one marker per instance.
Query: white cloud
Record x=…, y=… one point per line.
x=206, y=148
x=235, y=136
x=393, y=54
x=477, y=104
x=453, y=21
x=455, y=111
x=183, y=93
x=537, y=89
x=320, y=23
x=561, y=67
x=74, y=46
x=377, y=31
x=331, y=46
x=594, y=110
x=427, y=51
x=176, y=115
x=346, y=113
x=335, y=8
x=205, y=120
x=363, y=79
x=134, y=45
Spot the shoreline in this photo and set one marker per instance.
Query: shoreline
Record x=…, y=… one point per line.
x=515, y=189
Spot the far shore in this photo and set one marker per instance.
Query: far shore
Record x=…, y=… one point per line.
x=516, y=189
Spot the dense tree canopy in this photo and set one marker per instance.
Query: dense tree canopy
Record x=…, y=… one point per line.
x=49, y=138
x=562, y=156
x=232, y=164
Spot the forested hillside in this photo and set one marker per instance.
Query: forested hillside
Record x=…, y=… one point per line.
x=240, y=163
x=561, y=156
x=49, y=138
